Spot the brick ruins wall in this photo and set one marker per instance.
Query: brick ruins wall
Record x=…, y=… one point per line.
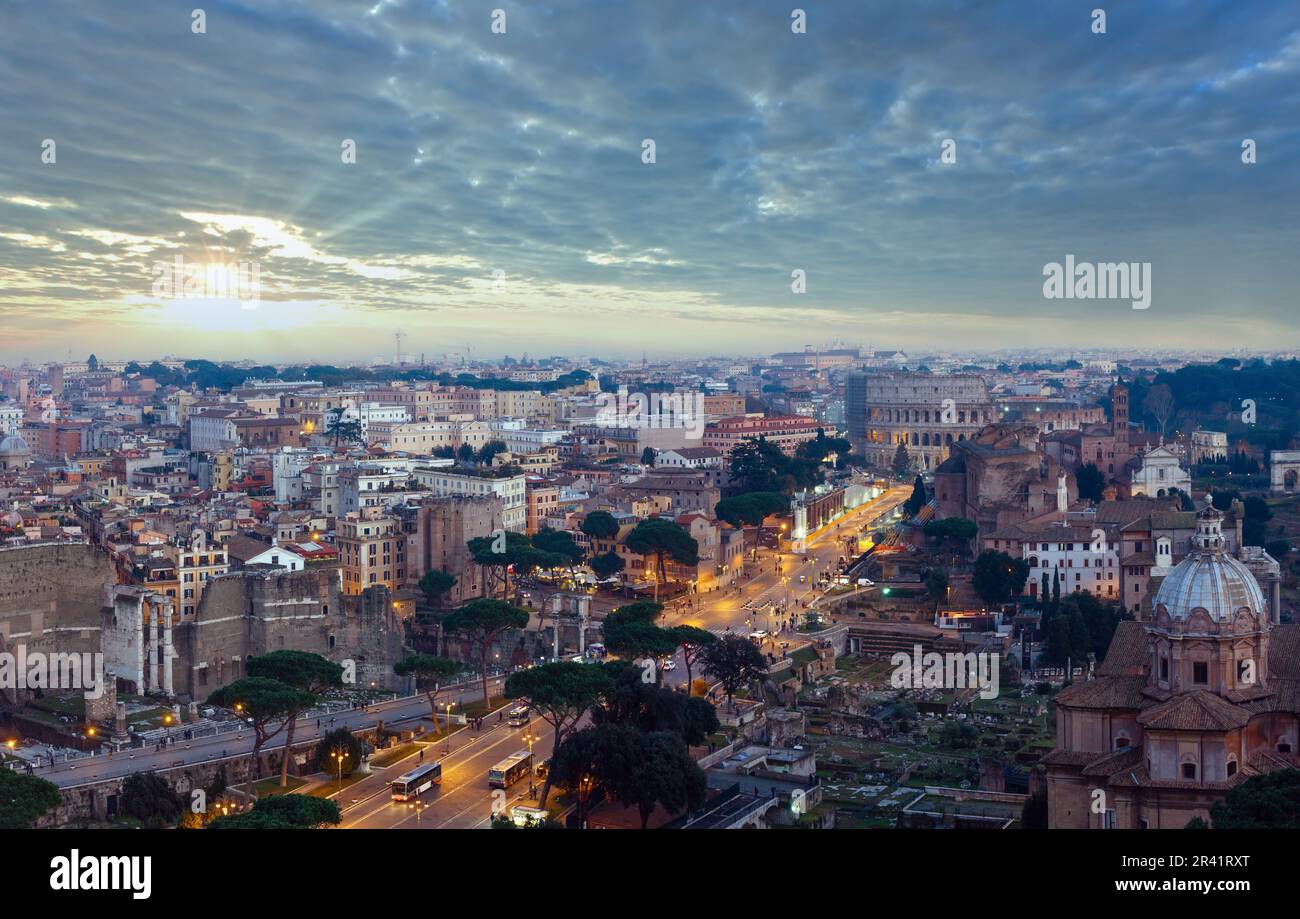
x=247, y=614
x=51, y=595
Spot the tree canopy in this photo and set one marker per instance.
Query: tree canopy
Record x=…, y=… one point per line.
x=998, y=577
x=283, y=812
x=1268, y=801
x=600, y=525
x=24, y=799
x=734, y=662
x=482, y=622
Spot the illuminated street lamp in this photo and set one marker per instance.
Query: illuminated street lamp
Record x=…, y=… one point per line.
x=340, y=755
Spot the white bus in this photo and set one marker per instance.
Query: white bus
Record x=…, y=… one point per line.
x=416, y=782
x=510, y=770
x=518, y=717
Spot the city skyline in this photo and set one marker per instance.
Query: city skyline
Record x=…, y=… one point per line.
x=499, y=200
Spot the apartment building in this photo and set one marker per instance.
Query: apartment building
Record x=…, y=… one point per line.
x=371, y=551
x=511, y=489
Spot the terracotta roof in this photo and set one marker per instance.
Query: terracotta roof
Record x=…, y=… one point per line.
x=1128, y=654
x=1284, y=652
x=241, y=548
x=1139, y=777
x=1068, y=758
x=1103, y=692
x=1130, y=510
x=1194, y=711
x=1118, y=761
x=1271, y=761
x=1174, y=520
x=1283, y=696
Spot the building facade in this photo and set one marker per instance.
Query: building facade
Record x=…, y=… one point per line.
x=924, y=412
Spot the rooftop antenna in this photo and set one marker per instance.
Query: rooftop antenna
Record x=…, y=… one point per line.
x=398, y=336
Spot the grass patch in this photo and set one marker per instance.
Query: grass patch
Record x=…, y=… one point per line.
x=392, y=755
x=270, y=787
x=479, y=710
x=332, y=787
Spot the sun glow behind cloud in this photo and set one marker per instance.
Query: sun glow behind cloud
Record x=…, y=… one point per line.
x=498, y=197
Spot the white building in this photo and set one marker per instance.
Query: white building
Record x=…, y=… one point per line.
x=1081, y=557
x=368, y=412
x=1160, y=471
x=512, y=490
x=689, y=458
x=531, y=440
x=11, y=419
x=214, y=430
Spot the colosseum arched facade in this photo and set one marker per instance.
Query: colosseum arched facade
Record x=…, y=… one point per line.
x=924, y=411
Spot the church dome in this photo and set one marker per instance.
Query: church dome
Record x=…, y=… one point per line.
x=14, y=445
x=1209, y=578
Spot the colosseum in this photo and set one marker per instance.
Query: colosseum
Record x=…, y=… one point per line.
x=923, y=411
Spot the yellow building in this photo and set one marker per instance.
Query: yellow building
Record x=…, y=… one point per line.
x=371, y=551
x=195, y=565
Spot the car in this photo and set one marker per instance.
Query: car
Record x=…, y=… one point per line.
x=803, y=579
x=668, y=664
x=758, y=633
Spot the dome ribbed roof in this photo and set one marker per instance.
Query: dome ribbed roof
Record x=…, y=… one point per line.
x=1214, y=582
x=14, y=445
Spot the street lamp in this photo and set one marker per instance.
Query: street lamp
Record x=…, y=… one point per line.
x=417, y=807
x=446, y=749
x=532, y=769
x=340, y=755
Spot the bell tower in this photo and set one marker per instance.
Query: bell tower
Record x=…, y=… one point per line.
x=1119, y=412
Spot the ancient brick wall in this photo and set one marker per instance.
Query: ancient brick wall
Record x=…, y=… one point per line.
x=51, y=595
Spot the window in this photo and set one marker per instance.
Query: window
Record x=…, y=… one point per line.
x=1232, y=766
x=1164, y=669
x=1200, y=672
x=1189, y=771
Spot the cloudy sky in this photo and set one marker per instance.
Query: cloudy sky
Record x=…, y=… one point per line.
x=499, y=199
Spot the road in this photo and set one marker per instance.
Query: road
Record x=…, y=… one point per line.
x=747, y=608
x=751, y=607
x=463, y=800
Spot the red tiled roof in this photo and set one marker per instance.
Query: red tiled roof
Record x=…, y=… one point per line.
x=1194, y=711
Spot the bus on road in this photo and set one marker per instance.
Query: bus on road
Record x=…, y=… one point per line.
x=517, y=717
x=416, y=782
x=510, y=770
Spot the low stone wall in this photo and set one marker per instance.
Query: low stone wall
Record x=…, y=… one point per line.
x=90, y=802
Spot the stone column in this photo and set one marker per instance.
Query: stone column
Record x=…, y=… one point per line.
x=151, y=672
x=119, y=725
x=168, y=653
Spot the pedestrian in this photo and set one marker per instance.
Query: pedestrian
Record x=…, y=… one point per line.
x=421, y=759
x=318, y=724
